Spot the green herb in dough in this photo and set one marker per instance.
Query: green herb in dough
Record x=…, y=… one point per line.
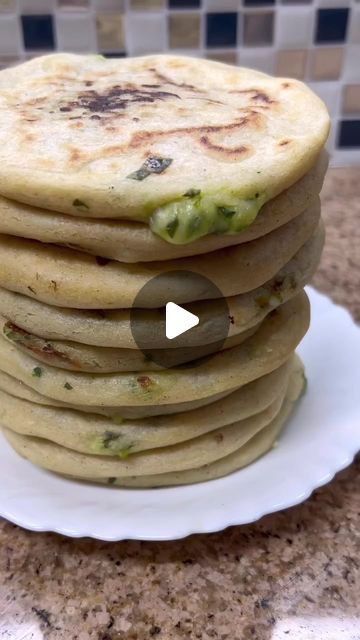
x=192, y=193
x=124, y=453
x=263, y=300
x=109, y=438
x=80, y=204
x=192, y=217
x=37, y=372
x=226, y=212
x=9, y=332
x=151, y=165
x=172, y=226
x=112, y=441
x=68, y=386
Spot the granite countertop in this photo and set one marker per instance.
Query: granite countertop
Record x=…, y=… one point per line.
x=293, y=575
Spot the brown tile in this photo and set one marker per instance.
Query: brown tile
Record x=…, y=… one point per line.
x=258, y=29
x=30, y=55
x=7, y=5
x=184, y=30
x=147, y=5
x=110, y=31
x=351, y=98
x=291, y=63
x=228, y=57
x=326, y=63
x=9, y=61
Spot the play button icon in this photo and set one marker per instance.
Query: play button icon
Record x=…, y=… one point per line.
x=176, y=333
x=178, y=320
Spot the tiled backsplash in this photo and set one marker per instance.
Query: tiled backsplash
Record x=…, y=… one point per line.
x=314, y=40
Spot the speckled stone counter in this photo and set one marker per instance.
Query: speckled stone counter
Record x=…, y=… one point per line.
x=294, y=575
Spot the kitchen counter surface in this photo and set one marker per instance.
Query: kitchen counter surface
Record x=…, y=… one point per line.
x=293, y=575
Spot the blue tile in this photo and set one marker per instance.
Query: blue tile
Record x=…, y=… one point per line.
x=221, y=29
x=331, y=25
x=258, y=3
x=38, y=32
x=184, y=4
x=118, y=54
x=349, y=134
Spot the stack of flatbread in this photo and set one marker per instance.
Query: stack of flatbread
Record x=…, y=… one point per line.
x=113, y=172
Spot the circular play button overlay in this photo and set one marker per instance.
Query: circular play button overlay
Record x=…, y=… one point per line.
x=177, y=333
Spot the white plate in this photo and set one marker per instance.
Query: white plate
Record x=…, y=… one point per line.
x=322, y=437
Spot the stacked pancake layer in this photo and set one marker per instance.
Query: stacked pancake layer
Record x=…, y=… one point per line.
x=77, y=395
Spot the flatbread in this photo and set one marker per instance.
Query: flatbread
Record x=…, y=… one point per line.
x=66, y=278
x=272, y=345
x=73, y=356
x=253, y=449
x=189, y=455
x=134, y=242
x=92, y=434
x=74, y=128
x=19, y=389
x=112, y=328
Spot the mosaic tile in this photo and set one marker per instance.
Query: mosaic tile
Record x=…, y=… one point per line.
x=184, y=4
x=75, y=5
x=349, y=134
x=354, y=31
x=227, y=57
x=9, y=61
x=30, y=55
x=7, y=5
x=76, y=32
x=221, y=5
x=38, y=32
x=329, y=93
x=44, y=7
x=102, y=6
x=110, y=31
x=296, y=1
x=326, y=63
x=351, y=69
x=258, y=3
x=146, y=5
x=294, y=27
x=146, y=33
x=332, y=4
x=10, y=35
x=258, y=29
x=351, y=98
x=331, y=25
x=221, y=29
x=112, y=54
x=184, y=30
x=291, y=64
x=262, y=59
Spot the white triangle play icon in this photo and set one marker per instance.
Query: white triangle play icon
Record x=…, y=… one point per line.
x=178, y=320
